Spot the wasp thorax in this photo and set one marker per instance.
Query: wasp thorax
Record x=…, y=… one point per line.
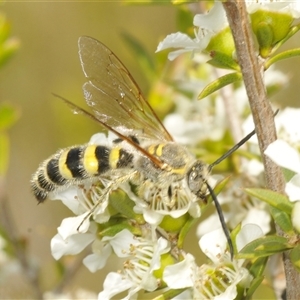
x=197, y=177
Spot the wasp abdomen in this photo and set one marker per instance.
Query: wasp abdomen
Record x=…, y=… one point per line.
x=72, y=165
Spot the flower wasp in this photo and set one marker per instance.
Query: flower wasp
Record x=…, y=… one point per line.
x=169, y=178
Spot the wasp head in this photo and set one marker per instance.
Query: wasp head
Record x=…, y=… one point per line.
x=197, y=177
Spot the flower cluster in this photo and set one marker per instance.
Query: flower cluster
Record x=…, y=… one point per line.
x=144, y=223
x=271, y=22
x=140, y=234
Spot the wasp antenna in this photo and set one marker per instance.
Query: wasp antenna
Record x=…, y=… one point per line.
x=234, y=148
x=222, y=220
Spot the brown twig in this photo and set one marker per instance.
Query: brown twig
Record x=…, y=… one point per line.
x=252, y=71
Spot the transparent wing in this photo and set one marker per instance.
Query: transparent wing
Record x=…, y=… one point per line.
x=113, y=94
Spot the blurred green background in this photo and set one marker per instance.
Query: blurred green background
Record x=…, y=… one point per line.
x=47, y=62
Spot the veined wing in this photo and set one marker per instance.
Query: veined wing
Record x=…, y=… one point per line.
x=113, y=94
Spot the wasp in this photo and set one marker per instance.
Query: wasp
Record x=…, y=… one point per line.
x=166, y=173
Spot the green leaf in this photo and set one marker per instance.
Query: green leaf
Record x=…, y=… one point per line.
x=221, y=48
x=112, y=230
x=281, y=207
x=4, y=153
x=8, y=49
x=219, y=83
x=4, y=28
x=255, y=283
x=169, y=294
x=288, y=174
x=174, y=225
x=258, y=267
x=281, y=56
x=264, y=35
x=119, y=200
x=275, y=199
x=233, y=235
x=282, y=219
x=295, y=257
x=293, y=30
x=8, y=115
x=222, y=61
x=185, y=230
x=8, y=46
x=264, y=247
x=278, y=23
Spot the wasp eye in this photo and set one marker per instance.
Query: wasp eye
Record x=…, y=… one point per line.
x=197, y=177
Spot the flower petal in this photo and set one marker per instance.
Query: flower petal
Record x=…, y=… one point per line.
x=295, y=216
x=213, y=244
x=259, y=217
x=73, y=245
x=215, y=20
x=175, y=40
x=180, y=275
x=97, y=261
x=123, y=240
x=284, y=155
x=68, y=198
x=247, y=234
x=113, y=285
x=74, y=225
x=292, y=188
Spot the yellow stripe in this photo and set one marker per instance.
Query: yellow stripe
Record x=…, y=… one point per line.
x=114, y=157
x=159, y=149
x=180, y=171
x=151, y=149
x=63, y=168
x=90, y=162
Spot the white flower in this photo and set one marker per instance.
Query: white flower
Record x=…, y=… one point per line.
x=182, y=274
x=286, y=156
x=137, y=273
x=227, y=273
x=241, y=208
x=72, y=244
x=208, y=25
x=218, y=280
x=103, y=248
x=288, y=125
x=195, y=121
x=75, y=233
x=88, y=196
x=295, y=216
x=215, y=20
x=291, y=7
x=248, y=233
x=181, y=40
x=157, y=204
x=98, y=259
x=115, y=284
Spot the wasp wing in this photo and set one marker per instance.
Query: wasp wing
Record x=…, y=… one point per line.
x=113, y=94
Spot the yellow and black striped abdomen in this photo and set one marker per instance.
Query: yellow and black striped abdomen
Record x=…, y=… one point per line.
x=72, y=165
